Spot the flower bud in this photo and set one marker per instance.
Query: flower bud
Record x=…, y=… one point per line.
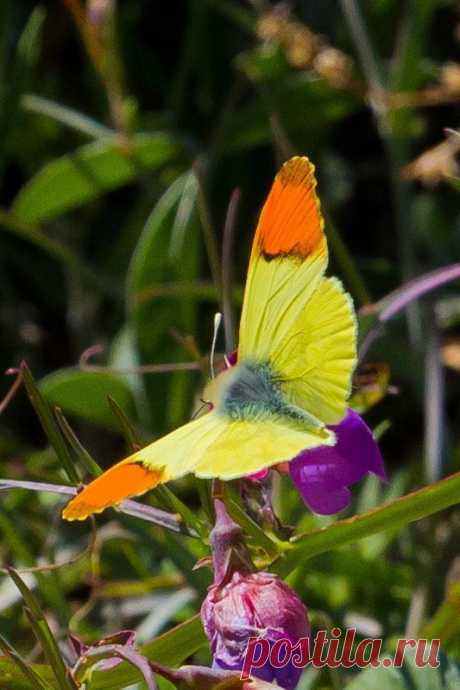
x=253, y=605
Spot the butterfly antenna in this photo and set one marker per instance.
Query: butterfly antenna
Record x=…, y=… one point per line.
x=217, y=322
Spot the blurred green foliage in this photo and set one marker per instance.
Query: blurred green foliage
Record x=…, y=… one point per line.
x=124, y=131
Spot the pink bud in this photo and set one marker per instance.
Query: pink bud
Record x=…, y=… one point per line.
x=254, y=605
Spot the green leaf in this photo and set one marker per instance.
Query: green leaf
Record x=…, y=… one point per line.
x=84, y=394
x=393, y=515
x=27, y=671
x=378, y=679
x=167, y=251
x=373, y=493
x=43, y=633
x=454, y=183
x=51, y=651
x=13, y=678
x=19, y=77
x=76, y=178
x=173, y=503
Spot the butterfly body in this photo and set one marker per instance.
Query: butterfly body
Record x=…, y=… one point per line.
x=296, y=355
x=254, y=391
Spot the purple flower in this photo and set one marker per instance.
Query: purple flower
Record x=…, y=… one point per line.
x=322, y=475
x=253, y=605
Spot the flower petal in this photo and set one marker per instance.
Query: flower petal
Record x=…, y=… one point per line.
x=258, y=476
x=322, y=475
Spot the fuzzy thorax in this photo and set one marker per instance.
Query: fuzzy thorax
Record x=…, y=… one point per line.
x=252, y=390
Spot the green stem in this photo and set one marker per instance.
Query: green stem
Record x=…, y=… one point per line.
x=66, y=116
x=396, y=514
x=345, y=260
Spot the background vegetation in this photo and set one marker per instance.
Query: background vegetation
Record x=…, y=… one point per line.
x=125, y=131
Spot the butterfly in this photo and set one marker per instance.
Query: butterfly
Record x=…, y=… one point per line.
x=292, y=378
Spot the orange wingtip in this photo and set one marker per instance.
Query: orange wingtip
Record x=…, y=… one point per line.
x=291, y=223
x=119, y=482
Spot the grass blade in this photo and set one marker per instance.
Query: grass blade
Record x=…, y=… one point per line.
x=66, y=116
x=79, y=450
x=49, y=424
x=43, y=633
x=36, y=682
x=396, y=514
x=177, y=506
x=128, y=431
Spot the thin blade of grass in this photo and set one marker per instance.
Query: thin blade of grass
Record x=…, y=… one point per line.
x=227, y=271
x=127, y=429
x=66, y=116
x=49, y=424
x=390, y=516
x=37, y=683
x=207, y=226
x=43, y=633
x=77, y=447
x=51, y=651
x=30, y=600
x=347, y=263
x=178, y=506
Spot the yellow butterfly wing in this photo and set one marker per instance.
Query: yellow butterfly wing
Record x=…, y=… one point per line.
x=248, y=446
x=210, y=446
x=288, y=259
x=318, y=356
x=169, y=457
x=300, y=322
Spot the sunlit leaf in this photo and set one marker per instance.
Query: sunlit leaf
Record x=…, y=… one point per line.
x=84, y=394
x=88, y=172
